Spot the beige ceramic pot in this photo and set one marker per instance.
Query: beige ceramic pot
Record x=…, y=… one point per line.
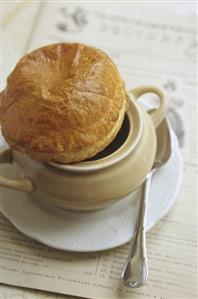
x=103, y=180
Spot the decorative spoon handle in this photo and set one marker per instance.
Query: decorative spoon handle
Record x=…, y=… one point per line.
x=135, y=272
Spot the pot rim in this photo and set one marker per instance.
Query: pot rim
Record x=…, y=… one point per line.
x=135, y=133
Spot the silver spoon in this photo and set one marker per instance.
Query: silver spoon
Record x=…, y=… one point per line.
x=135, y=271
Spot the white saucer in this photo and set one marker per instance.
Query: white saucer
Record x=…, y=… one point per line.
x=96, y=230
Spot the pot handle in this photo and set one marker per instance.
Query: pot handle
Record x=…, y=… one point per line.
x=20, y=185
x=157, y=114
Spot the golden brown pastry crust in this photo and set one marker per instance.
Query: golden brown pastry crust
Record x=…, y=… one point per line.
x=63, y=103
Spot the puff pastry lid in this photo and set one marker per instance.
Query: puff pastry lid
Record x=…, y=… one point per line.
x=63, y=103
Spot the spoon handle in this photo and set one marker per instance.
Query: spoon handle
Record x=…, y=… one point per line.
x=135, y=272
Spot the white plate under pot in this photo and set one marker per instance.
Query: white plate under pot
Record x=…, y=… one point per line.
x=96, y=230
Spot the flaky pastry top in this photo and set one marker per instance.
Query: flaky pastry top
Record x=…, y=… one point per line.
x=63, y=102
